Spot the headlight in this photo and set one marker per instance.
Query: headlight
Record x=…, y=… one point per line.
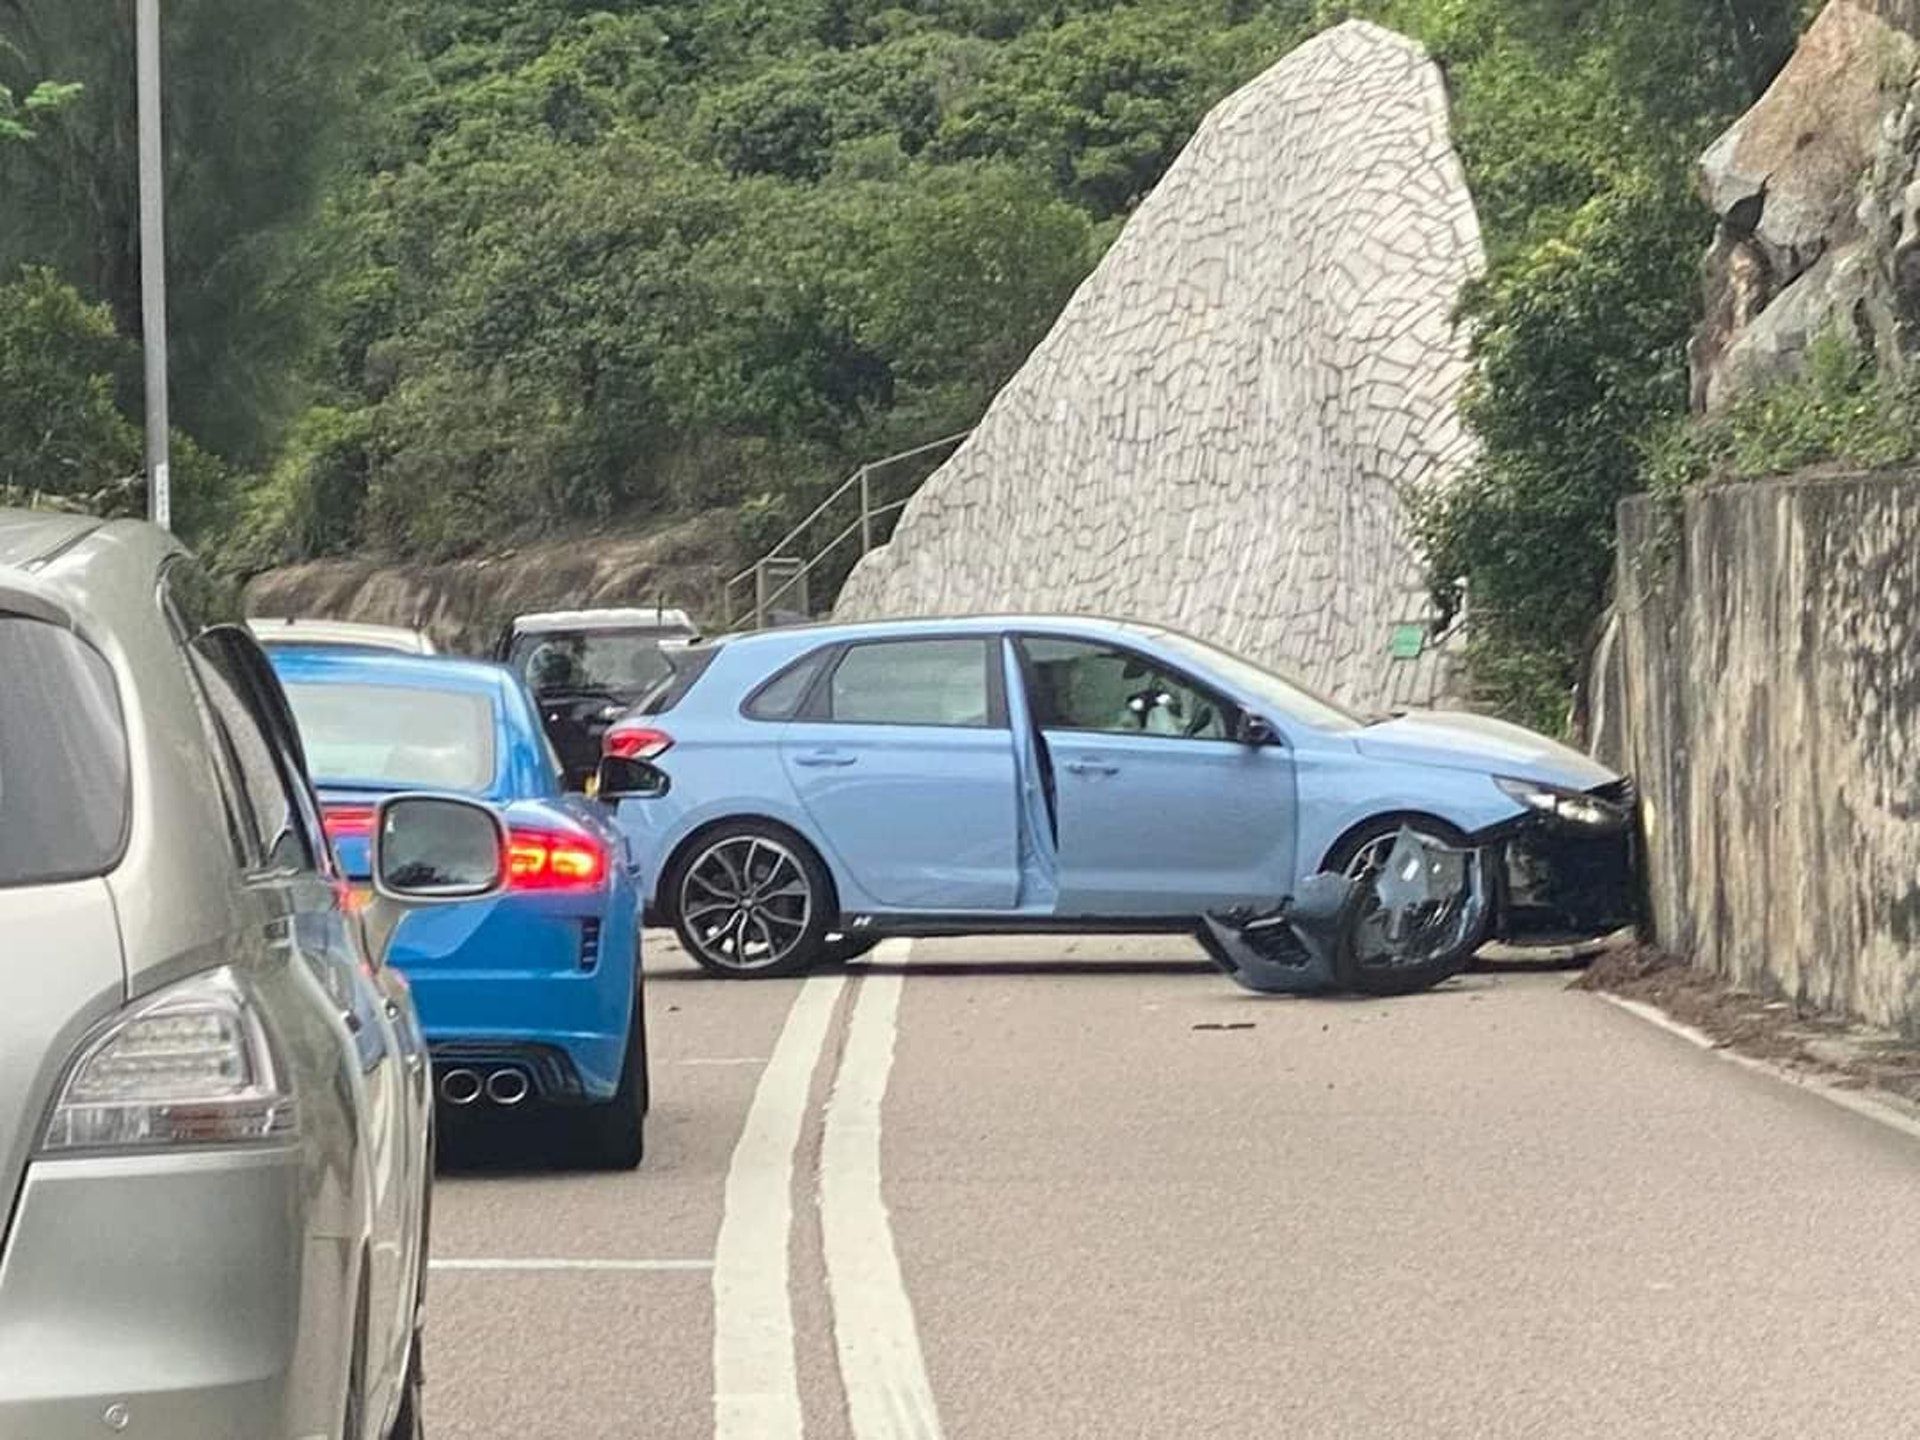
x=191, y=1065
x=1573, y=806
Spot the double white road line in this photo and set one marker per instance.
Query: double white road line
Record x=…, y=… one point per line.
x=755, y=1369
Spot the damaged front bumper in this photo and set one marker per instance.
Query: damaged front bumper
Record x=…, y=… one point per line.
x=1557, y=881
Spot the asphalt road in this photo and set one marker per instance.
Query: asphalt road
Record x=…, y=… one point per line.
x=1031, y=1190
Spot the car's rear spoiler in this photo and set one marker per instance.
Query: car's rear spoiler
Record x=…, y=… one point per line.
x=21, y=594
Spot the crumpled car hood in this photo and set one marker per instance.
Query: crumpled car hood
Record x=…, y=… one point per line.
x=1461, y=741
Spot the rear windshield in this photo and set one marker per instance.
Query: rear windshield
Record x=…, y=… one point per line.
x=688, y=666
x=395, y=737
x=613, y=662
x=63, y=757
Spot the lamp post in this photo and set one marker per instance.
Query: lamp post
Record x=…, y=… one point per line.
x=153, y=258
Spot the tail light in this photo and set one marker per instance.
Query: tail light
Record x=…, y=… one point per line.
x=192, y=1065
x=635, y=742
x=547, y=860
x=347, y=822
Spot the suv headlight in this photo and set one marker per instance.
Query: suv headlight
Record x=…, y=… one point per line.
x=191, y=1065
x=1576, y=807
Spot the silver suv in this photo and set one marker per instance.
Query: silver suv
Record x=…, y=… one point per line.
x=215, y=1121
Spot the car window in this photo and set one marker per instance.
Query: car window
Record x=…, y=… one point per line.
x=689, y=665
x=912, y=682
x=63, y=757
x=257, y=762
x=614, y=661
x=781, y=697
x=1083, y=685
x=396, y=736
x=279, y=827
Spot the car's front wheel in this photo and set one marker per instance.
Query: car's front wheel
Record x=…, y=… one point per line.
x=751, y=901
x=1370, y=961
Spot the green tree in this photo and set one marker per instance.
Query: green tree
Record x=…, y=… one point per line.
x=258, y=101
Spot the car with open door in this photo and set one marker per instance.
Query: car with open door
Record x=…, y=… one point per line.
x=798, y=793
x=531, y=997
x=216, y=1138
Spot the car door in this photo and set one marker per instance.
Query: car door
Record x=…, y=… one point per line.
x=902, y=758
x=292, y=884
x=1158, y=810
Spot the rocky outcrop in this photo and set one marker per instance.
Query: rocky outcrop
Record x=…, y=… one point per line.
x=463, y=604
x=1816, y=189
x=1223, y=428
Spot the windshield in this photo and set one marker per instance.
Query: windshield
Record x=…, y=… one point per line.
x=618, y=662
x=63, y=757
x=392, y=736
x=1259, y=683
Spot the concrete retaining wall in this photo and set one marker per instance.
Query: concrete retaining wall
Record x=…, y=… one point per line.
x=1763, y=686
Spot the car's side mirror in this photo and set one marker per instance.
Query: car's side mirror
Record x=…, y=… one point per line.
x=621, y=777
x=431, y=850
x=1255, y=730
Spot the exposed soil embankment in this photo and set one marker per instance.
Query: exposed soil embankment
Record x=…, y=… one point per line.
x=463, y=603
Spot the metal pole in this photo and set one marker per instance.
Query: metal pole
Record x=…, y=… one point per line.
x=866, y=508
x=153, y=259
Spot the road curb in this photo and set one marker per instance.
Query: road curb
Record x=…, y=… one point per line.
x=1889, y=1110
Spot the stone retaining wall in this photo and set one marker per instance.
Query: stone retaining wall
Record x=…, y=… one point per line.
x=1763, y=686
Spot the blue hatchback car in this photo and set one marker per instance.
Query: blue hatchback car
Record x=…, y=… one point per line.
x=796, y=794
x=531, y=998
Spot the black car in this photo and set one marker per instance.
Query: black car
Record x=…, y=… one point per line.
x=589, y=667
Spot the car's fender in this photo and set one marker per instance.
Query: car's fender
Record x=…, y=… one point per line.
x=1340, y=788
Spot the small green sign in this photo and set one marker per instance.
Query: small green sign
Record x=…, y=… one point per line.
x=1408, y=641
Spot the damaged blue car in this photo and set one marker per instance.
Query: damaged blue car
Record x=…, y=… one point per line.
x=797, y=795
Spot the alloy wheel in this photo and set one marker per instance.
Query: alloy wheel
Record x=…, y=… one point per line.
x=745, y=902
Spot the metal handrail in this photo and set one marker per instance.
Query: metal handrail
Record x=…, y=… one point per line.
x=862, y=479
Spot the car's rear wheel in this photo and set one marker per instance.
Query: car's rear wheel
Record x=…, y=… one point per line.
x=1368, y=963
x=751, y=901
x=613, y=1134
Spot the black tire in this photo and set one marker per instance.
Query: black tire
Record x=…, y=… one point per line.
x=770, y=863
x=613, y=1134
x=1397, y=979
x=839, y=949
x=408, y=1424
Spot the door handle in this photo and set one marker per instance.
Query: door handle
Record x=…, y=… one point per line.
x=820, y=759
x=1091, y=767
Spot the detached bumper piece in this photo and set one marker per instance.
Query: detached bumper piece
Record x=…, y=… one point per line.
x=1406, y=924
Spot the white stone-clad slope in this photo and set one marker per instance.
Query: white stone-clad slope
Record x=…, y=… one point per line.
x=1218, y=431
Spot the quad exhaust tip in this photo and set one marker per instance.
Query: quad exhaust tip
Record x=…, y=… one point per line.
x=508, y=1087
x=460, y=1087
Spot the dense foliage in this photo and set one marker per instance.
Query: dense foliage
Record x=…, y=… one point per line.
x=451, y=270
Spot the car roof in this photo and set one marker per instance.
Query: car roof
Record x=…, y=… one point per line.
x=832, y=631
x=650, y=618
x=298, y=631
x=320, y=664
x=29, y=536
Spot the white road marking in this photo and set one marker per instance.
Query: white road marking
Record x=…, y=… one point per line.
x=1860, y=1104
x=539, y=1265
x=756, y=1382
x=888, y=1394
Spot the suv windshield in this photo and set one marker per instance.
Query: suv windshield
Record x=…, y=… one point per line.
x=1261, y=684
x=63, y=757
x=395, y=736
x=615, y=662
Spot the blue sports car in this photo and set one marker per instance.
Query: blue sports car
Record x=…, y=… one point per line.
x=529, y=998
x=796, y=794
